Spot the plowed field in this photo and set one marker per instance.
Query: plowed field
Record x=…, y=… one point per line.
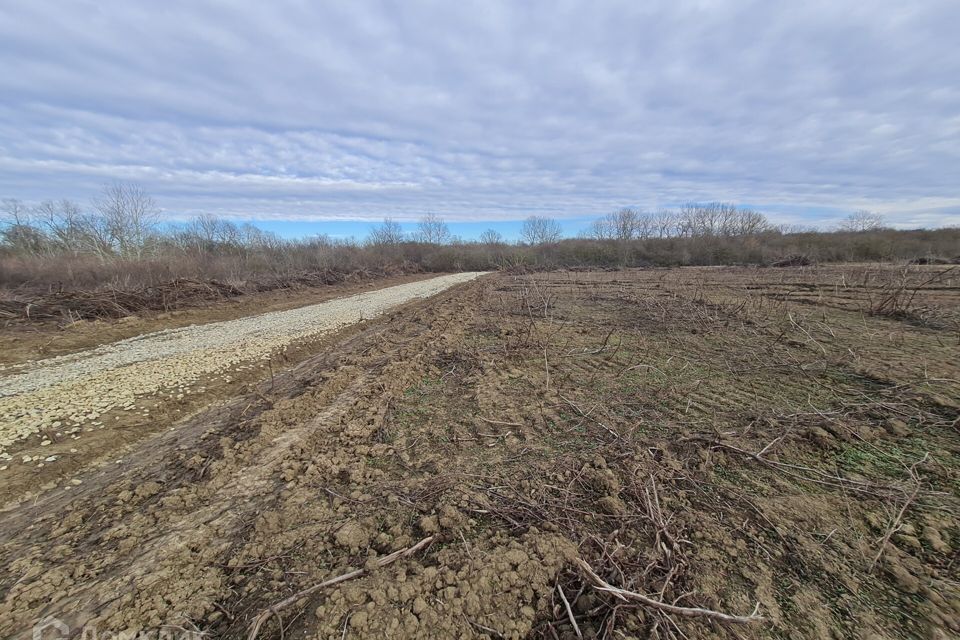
x=688, y=453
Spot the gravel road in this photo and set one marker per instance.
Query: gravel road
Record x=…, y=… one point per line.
x=65, y=392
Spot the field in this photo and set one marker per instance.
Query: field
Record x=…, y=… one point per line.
x=664, y=453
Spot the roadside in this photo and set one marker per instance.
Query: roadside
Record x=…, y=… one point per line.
x=58, y=412
x=21, y=342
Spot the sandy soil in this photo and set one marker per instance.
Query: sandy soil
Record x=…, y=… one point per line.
x=693, y=437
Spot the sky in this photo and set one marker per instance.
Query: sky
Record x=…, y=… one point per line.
x=310, y=117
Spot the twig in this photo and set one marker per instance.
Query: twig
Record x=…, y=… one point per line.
x=483, y=628
x=566, y=604
x=500, y=422
x=791, y=470
x=896, y=524
x=807, y=333
x=638, y=366
x=690, y=612
x=586, y=415
x=546, y=366
x=264, y=615
x=773, y=442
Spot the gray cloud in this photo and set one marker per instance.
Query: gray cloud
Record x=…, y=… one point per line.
x=493, y=110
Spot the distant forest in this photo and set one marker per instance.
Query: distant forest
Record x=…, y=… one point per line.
x=119, y=242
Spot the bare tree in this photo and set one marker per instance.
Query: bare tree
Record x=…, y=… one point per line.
x=14, y=212
x=701, y=220
x=748, y=222
x=18, y=231
x=863, y=221
x=63, y=224
x=644, y=226
x=491, y=236
x=625, y=224
x=209, y=232
x=540, y=230
x=599, y=229
x=254, y=237
x=718, y=219
x=98, y=237
x=387, y=234
x=433, y=230
x=662, y=223
x=129, y=216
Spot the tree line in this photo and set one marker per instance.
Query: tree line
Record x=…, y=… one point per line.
x=123, y=222
x=120, y=239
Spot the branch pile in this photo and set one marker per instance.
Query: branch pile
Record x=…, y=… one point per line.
x=117, y=303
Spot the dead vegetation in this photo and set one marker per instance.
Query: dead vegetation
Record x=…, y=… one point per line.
x=664, y=453
x=71, y=306
x=67, y=306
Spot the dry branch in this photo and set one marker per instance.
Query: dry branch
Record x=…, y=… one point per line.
x=896, y=524
x=500, y=422
x=690, y=612
x=570, y=616
x=265, y=615
x=808, y=474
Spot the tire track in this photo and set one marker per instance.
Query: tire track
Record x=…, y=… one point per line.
x=67, y=392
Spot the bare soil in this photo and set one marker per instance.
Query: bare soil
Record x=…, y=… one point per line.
x=25, y=341
x=725, y=441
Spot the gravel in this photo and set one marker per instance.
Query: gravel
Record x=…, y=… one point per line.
x=67, y=392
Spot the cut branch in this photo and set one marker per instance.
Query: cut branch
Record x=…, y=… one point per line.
x=265, y=615
x=897, y=523
x=690, y=612
x=570, y=616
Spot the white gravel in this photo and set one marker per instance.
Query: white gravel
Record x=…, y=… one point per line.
x=67, y=392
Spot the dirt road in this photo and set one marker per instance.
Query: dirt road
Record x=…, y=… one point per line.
x=694, y=438
x=58, y=399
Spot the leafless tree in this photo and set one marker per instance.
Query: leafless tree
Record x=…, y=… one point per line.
x=491, y=236
x=211, y=231
x=64, y=225
x=863, y=221
x=390, y=233
x=623, y=225
x=18, y=230
x=698, y=220
x=540, y=230
x=14, y=212
x=599, y=229
x=129, y=217
x=662, y=223
x=433, y=230
x=794, y=228
x=644, y=226
x=747, y=222
x=718, y=219
x=254, y=237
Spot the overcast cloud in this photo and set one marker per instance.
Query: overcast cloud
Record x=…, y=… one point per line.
x=486, y=110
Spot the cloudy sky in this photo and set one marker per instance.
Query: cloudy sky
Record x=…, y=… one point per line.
x=298, y=112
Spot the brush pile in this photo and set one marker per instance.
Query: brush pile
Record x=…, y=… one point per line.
x=112, y=302
x=793, y=261
x=116, y=303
